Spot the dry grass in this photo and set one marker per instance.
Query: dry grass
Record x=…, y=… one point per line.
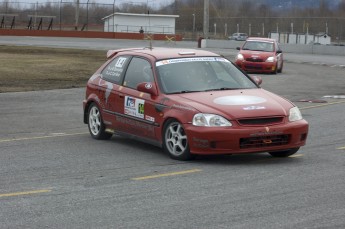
x=34, y=68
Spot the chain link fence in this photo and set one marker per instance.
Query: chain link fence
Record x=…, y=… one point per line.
x=88, y=14
x=263, y=26
x=58, y=15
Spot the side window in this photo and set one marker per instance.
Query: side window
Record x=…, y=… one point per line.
x=138, y=71
x=113, y=71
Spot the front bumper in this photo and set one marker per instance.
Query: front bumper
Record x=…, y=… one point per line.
x=240, y=139
x=266, y=67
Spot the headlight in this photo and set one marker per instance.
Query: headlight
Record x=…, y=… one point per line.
x=270, y=59
x=240, y=57
x=295, y=114
x=210, y=120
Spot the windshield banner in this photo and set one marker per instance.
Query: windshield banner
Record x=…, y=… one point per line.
x=194, y=59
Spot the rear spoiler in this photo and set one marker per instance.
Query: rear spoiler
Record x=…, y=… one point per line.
x=113, y=52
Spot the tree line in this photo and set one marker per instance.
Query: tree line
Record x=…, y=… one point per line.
x=225, y=16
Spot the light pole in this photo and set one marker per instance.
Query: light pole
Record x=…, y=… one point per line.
x=76, y=14
x=193, y=24
x=225, y=30
x=215, y=30
x=206, y=18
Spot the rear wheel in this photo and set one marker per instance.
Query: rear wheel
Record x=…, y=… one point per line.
x=175, y=141
x=95, y=123
x=284, y=153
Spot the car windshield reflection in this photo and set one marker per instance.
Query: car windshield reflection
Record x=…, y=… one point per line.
x=258, y=46
x=187, y=75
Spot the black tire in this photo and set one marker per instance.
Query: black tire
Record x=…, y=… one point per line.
x=281, y=69
x=175, y=141
x=95, y=123
x=284, y=153
x=275, y=70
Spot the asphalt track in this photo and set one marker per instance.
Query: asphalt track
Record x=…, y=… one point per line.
x=53, y=175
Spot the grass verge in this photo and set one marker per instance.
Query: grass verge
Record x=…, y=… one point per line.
x=25, y=68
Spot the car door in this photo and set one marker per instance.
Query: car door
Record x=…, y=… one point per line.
x=137, y=113
x=109, y=85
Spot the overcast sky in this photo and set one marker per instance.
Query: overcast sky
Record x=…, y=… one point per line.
x=152, y=3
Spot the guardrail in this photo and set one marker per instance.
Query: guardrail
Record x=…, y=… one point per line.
x=288, y=48
x=90, y=34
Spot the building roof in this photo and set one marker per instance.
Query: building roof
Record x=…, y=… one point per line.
x=141, y=15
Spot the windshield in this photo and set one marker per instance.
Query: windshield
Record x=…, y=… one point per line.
x=185, y=75
x=258, y=46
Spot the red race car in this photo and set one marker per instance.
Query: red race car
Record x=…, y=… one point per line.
x=189, y=102
x=260, y=55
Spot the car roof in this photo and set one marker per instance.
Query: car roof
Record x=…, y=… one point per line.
x=263, y=39
x=162, y=53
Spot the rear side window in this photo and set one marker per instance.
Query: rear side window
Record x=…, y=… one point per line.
x=139, y=70
x=114, y=70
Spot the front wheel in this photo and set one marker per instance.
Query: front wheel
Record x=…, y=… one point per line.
x=281, y=68
x=175, y=141
x=95, y=123
x=284, y=153
x=275, y=70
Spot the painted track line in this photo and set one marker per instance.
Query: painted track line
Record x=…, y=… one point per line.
x=167, y=174
x=322, y=105
x=24, y=193
x=41, y=137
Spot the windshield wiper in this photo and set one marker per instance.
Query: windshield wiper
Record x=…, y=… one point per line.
x=188, y=91
x=225, y=88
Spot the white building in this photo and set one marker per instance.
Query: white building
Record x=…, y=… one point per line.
x=288, y=38
x=322, y=38
x=133, y=23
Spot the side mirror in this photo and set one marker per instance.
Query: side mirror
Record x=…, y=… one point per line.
x=279, y=51
x=238, y=48
x=257, y=79
x=147, y=87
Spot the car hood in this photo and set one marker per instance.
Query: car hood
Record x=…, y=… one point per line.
x=235, y=104
x=256, y=54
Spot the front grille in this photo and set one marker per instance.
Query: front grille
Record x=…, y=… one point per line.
x=264, y=141
x=260, y=121
x=254, y=60
x=253, y=67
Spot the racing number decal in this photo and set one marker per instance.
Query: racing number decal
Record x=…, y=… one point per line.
x=120, y=62
x=141, y=108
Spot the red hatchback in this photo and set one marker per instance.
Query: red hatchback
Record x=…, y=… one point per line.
x=189, y=102
x=260, y=55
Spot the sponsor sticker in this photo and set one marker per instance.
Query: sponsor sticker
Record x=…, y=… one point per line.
x=250, y=108
x=149, y=118
x=239, y=100
x=148, y=86
x=134, y=107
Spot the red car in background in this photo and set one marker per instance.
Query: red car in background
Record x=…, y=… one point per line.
x=260, y=55
x=189, y=102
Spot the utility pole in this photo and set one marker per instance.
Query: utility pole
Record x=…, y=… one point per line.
x=76, y=15
x=206, y=18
